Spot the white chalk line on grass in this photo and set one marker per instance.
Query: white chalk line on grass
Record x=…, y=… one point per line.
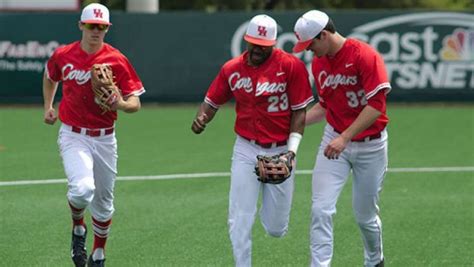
x=226, y=174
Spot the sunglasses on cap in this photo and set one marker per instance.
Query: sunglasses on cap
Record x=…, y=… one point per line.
x=100, y=27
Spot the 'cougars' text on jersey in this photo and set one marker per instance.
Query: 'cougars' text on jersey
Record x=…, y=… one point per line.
x=346, y=81
x=71, y=65
x=265, y=95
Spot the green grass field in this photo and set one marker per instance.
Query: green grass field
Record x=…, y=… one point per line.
x=428, y=216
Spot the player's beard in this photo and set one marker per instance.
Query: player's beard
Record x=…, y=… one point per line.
x=258, y=56
x=318, y=55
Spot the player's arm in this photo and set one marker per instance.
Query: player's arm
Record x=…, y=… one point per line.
x=315, y=114
x=129, y=105
x=298, y=121
x=204, y=115
x=218, y=93
x=128, y=97
x=367, y=116
x=300, y=96
x=49, y=91
x=297, y=124
x=373, y=63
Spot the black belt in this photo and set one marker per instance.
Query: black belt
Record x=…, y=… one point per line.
x=266, y=145
x=364, y=139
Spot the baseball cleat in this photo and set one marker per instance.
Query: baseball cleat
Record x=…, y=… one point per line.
x=97, y=263
x=78, y=249
x=381, y=264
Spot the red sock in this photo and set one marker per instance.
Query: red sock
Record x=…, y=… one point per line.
x=77, y=215
x=101, y=232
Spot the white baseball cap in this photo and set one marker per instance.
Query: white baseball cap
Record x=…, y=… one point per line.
x=262, y=30
x=307, y=27
x=95, y=14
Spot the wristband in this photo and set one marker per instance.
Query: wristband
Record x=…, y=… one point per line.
x=294, y=141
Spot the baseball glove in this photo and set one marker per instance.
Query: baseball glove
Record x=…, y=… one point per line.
x=106, y=93
x=274, y=169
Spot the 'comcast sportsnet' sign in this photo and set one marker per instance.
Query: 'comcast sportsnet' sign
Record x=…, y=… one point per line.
x=433, y=50
x=421, y=50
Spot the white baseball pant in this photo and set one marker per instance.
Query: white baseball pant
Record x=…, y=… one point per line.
x=90, y=164
x=368, y=161
x=244, y=194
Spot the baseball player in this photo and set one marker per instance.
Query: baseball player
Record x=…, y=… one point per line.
x=352, y=85
x=86, y=137
x=271, y=91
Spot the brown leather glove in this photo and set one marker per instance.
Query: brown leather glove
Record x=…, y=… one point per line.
x=274, y=169
x=106, y=93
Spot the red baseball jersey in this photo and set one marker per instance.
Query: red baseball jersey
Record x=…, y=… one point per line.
x=264, y=95
x=71, y=65
x=345, y=83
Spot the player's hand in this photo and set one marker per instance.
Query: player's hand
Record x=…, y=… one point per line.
x=199, y=123
x=335, y=147
x=50, y=116
x=289, y=156
x=119, y=103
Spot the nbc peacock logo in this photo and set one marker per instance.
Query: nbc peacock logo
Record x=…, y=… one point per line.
x=459, y=46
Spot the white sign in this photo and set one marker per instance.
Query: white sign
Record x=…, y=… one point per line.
x=40, y=5
x=28, y=56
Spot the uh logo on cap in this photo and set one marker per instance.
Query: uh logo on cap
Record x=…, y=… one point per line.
x=262, y=30
x=98, y=13
x=95, y=14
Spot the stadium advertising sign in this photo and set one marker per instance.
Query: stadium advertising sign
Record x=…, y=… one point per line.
x=28, y=56
x=421, y=50
x=424, y=49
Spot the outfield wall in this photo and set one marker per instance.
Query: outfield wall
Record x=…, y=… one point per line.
x=429, y=55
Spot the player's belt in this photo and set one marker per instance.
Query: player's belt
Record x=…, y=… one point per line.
x=365, y=139
x=92, y=132
x=266, y=145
